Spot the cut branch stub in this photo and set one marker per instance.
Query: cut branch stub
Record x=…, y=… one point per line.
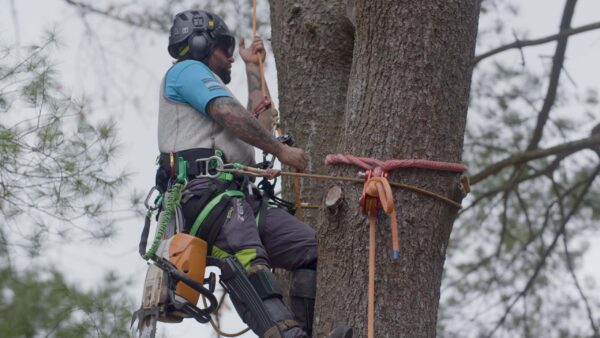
x=334, y=197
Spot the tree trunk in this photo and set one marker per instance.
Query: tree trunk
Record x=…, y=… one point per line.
x=312, y=43
x=406, y=98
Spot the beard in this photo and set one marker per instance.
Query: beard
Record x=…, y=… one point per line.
x=225, y=75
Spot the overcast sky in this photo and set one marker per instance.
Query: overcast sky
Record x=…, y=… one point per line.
x=123, y=82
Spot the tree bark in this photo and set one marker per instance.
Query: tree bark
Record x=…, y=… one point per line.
x=406, y=98
x=312, y=43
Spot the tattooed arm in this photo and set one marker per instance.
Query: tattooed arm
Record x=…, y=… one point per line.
x=229, y=113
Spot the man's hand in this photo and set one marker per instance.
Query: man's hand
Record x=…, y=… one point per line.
x=252, y=54
x=294, y=157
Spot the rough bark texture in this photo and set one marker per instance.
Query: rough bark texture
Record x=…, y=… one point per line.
x=406, y=98
x=312, y=43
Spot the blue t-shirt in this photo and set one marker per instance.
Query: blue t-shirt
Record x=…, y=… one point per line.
x=192, y=82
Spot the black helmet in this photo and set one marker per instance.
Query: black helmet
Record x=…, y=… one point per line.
x=194, y=34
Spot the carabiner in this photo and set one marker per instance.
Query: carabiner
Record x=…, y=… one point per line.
x=208, y=166
x=157, y=200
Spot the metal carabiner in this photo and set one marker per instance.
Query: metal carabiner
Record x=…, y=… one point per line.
x=207, y=166
x=157, y=200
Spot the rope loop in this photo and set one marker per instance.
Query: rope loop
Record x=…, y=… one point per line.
x=377, y=194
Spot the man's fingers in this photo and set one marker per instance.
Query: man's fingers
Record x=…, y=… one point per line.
x=272, y=173
x=242, y=43
x=258, y=46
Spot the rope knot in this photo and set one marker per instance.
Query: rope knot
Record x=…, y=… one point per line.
x=377, y=194
x=378, y=171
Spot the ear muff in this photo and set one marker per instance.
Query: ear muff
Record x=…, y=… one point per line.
x=200, y=47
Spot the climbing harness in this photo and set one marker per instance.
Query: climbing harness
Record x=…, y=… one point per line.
x=180, y=250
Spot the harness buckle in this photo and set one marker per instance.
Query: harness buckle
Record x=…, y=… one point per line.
x=213, y=163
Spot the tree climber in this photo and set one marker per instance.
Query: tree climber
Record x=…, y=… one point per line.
x=200, y=118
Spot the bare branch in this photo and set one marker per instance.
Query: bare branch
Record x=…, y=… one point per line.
x=557, y=65
x=492, y=192
x=571, y=268
x=526, y=43
x=564, y=149
x=546, y=253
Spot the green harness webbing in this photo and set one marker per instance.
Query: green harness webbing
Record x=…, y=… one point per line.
x=210, y=206
x=174, y=199
x=172, y=202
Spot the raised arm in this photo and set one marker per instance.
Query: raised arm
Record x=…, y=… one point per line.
x=229, y=113
x=251, y=56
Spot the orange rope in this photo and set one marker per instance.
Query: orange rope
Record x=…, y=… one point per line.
x=379, y=187
x=371, y=310
x=263, y=87
x=377, y=192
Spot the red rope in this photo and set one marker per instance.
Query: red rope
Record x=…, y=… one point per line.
x=371, y=163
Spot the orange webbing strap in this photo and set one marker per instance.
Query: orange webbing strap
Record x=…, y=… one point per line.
x=379, y=187
x=371, y=310
x=263, y=87
x=378, y=192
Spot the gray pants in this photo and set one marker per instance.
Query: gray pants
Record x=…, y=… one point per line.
x=284, y=242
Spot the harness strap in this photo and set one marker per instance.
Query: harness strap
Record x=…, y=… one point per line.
x=145, y=232
x=261, y=216
x=216, y=219
x=193, y=167
x=210, y=206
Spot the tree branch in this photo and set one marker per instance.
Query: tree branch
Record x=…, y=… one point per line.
x=564, y=149
x=490, y=193
x=549, y=250
x=557, y=65
x=526, y=43
x=571, y=268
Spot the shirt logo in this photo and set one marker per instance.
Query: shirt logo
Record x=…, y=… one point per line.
x=212, y=84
